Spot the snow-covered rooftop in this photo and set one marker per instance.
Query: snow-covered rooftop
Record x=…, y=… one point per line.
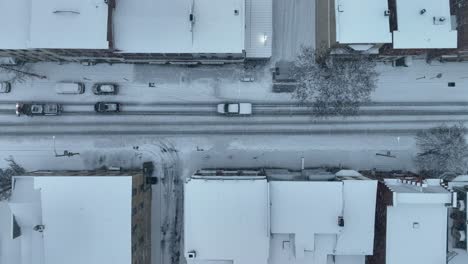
x=362, y=21
x=428, y=192
x=417, y=223
x=54, y=24
x=230, y=219
x=309, y=210
x=14, y=32
x=164, y=26
x=72, y=24
x=227, y=220
x=86, y=219
x=259, y=28
x=424, y=24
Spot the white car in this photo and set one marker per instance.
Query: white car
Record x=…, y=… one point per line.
x=235, y=109
x=5, y=87
x=105, y=89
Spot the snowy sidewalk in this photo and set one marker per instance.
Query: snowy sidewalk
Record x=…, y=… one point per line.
x=421, y=82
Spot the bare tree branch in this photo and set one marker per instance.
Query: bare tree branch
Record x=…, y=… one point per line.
x=442, y=149
x=6, y=176
x=20, y=73
x=332, y=85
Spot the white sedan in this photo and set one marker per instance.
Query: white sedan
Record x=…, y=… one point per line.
x=235, y=109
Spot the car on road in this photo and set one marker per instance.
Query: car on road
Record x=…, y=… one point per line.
x=105, y=89
x=69, y=88
x=5, y=87
x=107, y=107
x=38, y=109
x=235, y=108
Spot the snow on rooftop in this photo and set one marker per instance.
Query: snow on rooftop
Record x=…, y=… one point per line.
x=362, y=21
x=87, y=219
x=221, y=213
x=259, y=28
x=308, y=209
x=424, y=24
x=164, y=26
x=227, y=220
x=295, y=207
x=416, y=234
x=417, y=222
x=71, y=24
x=14, y=32
x=428, y=192
x=357, y=237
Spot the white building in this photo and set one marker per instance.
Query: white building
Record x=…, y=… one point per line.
x=416, y=222
x=366, y=25
x=424, y=24
x=159, y=31
x=249, y=220
x=79, y=219
x=54, y=24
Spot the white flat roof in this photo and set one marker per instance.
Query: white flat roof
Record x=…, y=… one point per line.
x=14, y=32
x=163, y=26
x=416, y=234
x=428, y=192
x=71, y=24
x=417, y=222
x=227, y=220
x=357, y=237
x=259, y=28
x=87, y=219
x=362, y=21
x=305, y=209
x=424, y=31
x=220, y=214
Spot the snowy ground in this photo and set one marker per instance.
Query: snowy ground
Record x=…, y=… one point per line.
x=179, y=157
x=184, y=87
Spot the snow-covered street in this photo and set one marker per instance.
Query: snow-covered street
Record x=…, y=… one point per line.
x=178, y=157
x=172, y=115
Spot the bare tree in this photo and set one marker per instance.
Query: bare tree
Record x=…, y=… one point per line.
x=20, y=73
x=442, y=149
x=333, y=85
x=6, y=176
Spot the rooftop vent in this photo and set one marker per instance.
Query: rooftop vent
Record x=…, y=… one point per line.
x=439, y=20
x=192, y=254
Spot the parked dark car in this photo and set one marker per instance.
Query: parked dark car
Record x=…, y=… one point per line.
x=37, y=109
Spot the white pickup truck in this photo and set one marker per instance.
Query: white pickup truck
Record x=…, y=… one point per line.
x=235, y=109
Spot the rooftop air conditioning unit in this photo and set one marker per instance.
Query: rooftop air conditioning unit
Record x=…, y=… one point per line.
x=192, y=254
x=387, y=12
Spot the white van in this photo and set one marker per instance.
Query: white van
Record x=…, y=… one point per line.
x=69, y=88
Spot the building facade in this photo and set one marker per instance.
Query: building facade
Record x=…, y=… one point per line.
x=252, y=217
x=82, y=217
x=185, y=31
x=388, y=29
x=411, y=221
